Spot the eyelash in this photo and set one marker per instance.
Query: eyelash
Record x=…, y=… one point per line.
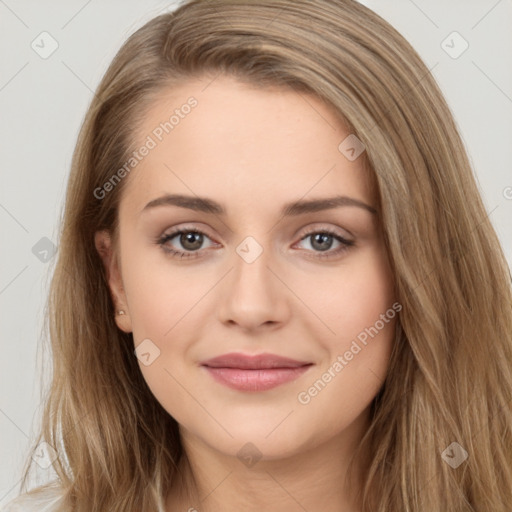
x=161, y=241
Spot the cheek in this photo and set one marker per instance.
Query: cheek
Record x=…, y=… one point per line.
x=160, y=293
x=356, y=333
x=163, y=300
x=352, y=297
x=357, y=352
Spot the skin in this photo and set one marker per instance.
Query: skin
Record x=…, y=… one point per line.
x=253, y=150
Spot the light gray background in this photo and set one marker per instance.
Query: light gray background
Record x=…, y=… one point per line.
x=43, y=101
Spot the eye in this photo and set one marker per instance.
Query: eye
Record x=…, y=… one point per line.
x=322, y=241
x=190, y=239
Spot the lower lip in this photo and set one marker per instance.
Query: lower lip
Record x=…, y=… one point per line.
x=255, y=380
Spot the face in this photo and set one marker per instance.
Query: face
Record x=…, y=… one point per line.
x=249, y=274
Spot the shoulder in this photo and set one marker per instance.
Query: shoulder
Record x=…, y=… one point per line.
x=44, y=499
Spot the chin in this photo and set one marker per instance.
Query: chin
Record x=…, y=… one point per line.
x=255, y=440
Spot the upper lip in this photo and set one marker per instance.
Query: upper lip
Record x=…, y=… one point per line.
x=255, y=362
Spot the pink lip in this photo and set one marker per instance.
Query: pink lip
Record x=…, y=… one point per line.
x=254, y=373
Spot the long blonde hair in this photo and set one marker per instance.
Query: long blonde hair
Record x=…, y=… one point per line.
x=450, y=375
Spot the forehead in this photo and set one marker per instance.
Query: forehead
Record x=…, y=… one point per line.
x=234, y=141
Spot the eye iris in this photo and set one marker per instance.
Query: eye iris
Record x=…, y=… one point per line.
x=321, y=239
x=195, y=239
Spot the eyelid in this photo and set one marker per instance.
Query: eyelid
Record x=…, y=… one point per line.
x=304, y=232
x=187, y=228
x=318, y=227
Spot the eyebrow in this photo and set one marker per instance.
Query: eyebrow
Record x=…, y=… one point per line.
x=206, y=205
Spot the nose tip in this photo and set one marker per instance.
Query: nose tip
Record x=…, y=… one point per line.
x=253, y=297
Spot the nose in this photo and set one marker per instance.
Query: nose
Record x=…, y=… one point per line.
x=253, y=294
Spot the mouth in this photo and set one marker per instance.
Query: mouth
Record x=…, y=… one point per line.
x=254, y=373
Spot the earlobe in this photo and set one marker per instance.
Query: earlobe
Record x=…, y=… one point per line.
x=123, y=321
x=103, y=243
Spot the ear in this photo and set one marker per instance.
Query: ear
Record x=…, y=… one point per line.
x=109, y=256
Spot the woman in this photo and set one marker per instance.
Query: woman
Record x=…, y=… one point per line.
x=212, y=349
